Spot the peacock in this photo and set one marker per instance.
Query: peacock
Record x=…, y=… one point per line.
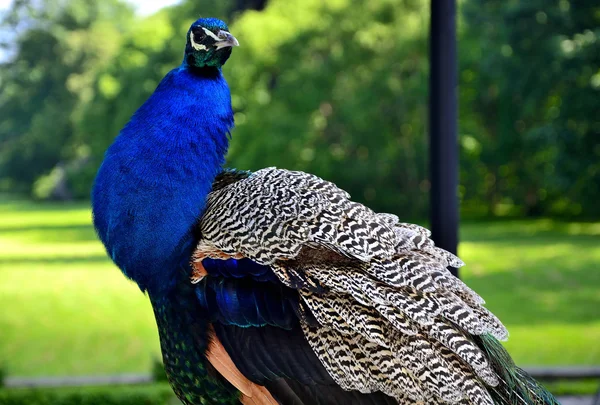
x=273, y=286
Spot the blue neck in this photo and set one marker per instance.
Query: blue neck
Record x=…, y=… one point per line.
x=152, y=186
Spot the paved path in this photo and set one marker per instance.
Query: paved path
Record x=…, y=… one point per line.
x=576, y=400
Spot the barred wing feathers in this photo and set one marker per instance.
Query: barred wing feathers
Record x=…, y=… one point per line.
x=390, y=317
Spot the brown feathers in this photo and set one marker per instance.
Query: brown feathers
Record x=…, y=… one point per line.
x=251, y=393
x=198, y=272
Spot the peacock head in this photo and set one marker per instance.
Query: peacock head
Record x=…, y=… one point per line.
x=209, y=43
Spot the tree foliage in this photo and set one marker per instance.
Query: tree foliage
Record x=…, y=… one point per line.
x=530, y=83
x=337, y=88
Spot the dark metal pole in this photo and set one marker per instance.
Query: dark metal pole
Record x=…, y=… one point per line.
x=443, y=147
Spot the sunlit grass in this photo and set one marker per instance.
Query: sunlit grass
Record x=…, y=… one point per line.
x=66, y=310
x=147, y=394
x=542, y=279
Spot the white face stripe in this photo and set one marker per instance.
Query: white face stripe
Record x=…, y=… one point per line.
x=198, y=47
x=211, y=34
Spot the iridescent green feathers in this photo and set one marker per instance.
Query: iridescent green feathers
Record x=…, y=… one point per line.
x=187, y=370
x=516, y=386
x=208, y=44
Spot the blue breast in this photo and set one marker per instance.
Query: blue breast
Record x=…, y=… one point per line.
x=151, y=188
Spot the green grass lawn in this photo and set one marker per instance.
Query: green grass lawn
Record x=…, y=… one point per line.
x=542, y=279
x=145, y=394
x=66, y=310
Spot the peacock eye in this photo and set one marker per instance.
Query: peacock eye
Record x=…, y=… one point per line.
x=199, y=34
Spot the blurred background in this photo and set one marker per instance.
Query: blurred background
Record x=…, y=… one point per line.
x=338, y=88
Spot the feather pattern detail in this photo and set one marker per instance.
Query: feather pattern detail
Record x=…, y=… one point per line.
x=389, y=316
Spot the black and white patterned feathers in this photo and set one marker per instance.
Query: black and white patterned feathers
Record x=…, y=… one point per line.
x=390, y=317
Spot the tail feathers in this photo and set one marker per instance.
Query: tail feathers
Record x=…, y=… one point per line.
x=516, y=387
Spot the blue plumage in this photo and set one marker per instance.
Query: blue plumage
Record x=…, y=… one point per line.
x=152, y=185
x=238, y=269
x=245, y=302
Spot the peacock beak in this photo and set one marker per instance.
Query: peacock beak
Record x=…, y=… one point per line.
x=225, y=40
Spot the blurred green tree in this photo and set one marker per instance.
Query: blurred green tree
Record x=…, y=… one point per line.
x=337, y=88
x=530, y=82
x=59, y=49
